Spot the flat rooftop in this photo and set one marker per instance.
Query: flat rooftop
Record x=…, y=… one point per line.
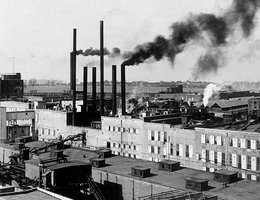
x=32, y=195
x=241, y=190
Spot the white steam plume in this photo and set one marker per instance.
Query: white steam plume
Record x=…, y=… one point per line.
x=209, y=91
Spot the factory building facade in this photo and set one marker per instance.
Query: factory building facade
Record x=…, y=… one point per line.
x=207, y=149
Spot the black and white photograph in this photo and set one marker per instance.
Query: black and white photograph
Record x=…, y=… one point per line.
x=130, y=100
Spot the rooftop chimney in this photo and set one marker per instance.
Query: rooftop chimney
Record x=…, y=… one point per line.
x=94, y=94
x=85, y=89
x=101, y=69
x=123, y=89
x=113, y=89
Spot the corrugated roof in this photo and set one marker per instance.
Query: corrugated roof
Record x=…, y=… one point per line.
x=226, y=103
x=232, y=102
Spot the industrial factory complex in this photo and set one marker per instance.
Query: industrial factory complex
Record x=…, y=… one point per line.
x=95, y=145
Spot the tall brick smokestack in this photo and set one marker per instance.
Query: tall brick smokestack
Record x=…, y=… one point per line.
x=85, y=89
x=101, y=69
x=123, y=89
x=94, y=93
x=113, y=89
x=73, y=74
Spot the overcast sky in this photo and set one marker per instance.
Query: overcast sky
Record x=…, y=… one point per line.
x=39, y=35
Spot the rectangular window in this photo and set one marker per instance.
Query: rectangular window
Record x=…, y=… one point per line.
x=234, y=142
x=207, y=155
x=234, y=160
x=257, y=145
x=190, y=151
x=156, y=135
x=253, y=144
x=152, y=149
x=203, y=155
x=230, y=159
x=211, y=139
x=152, y=137
x=253, y=163
x=165, y=137
x=124, y=146
x=248, y=144
x=216, y=157
x=243, y=143
x=203, y=139
x=231, y=142
x=171, y=149
x=49, y=131
x=177, y=150
x=243, y=161
x=159, y=150
x=156, y=149
x=149, y=135
x=218, y=140
x=187, y=150
x=181, y=149
x=223, y=158
x=162, y=137
x=53, y=132
x=249, y=162
x=257, y=163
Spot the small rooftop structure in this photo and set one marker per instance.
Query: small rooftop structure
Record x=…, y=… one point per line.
x=140, y=171
x=169, y=165
x=197, y=184
x=226, y=176
x=98, y=162
x=104, y=153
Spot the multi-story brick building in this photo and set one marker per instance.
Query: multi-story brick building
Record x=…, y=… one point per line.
x=207, y=149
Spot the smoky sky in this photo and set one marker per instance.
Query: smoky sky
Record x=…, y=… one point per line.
x=241, y=15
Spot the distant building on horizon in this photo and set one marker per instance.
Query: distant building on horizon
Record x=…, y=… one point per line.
x=11, y=86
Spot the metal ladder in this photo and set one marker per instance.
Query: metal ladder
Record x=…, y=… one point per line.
x=94, y=189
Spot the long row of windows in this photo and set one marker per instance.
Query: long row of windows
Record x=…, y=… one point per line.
x=183, y=150
x=46, y=131
x=235, y=160
x=234, y=142
x=244, y=162
x=130, y=155
x=157, y=136
x=124, y=146
x=213, y=157
x=122, y=129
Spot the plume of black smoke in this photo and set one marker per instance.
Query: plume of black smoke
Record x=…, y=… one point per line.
x=208, y=63
x=245, y=11
x=157, y=49
x=242, y=13
x=218, y=28
x=92, y=52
